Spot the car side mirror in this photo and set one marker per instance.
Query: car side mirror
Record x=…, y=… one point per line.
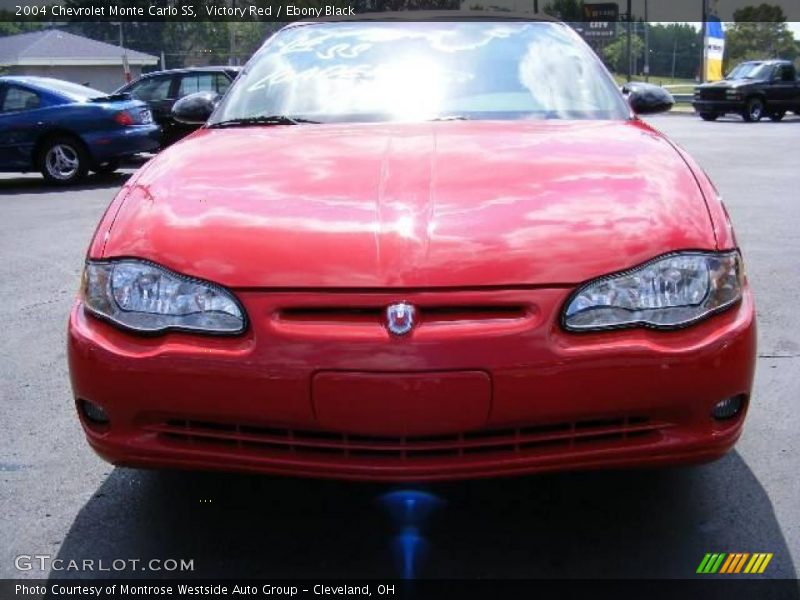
x=195, y=109
x=648, y=99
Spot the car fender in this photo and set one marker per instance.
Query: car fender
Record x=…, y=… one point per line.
x=720, y=220
x=55, y=131
x=103, y=230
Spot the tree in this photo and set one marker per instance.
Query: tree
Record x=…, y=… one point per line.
x=616, y=53
x=10, y=27
x=674, y=45
x=566, y=10
x=758, y=32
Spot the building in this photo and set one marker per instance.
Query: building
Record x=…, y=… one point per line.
x=54, y=53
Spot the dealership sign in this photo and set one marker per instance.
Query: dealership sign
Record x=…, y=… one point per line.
x=600, y=20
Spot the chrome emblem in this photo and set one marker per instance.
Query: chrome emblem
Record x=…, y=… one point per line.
x=400, y=318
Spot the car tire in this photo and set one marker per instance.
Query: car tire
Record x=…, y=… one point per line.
x=107, y=167
x=63, y=160
x=709, y=116
x=777, y=115
x=754, y=110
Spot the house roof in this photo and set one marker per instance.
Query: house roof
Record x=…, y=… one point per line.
x=54, y=47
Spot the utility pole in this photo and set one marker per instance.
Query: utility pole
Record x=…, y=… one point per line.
x=126, y=68
x=232, y=59
x=646, y=44
x=674, y=53
x=628, y=35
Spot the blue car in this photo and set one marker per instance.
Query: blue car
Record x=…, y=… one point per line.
x=65, y=130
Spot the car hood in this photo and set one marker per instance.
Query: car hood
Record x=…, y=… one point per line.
x=728, y=84
x=412, y=205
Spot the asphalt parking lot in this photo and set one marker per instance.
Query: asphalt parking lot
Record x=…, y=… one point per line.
x=57, y=498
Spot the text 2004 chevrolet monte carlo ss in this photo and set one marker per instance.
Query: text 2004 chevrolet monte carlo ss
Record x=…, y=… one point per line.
x=415, y=251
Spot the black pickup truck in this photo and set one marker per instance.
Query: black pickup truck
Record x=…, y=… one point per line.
x=753, y=89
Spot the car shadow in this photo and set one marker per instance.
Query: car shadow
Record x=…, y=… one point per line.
x=35, y=184
x=788, y=119
x=635, y=524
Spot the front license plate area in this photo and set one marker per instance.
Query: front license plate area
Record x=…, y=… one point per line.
x=401, y=404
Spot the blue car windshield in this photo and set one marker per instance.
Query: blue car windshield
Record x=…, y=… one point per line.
x=389, y=71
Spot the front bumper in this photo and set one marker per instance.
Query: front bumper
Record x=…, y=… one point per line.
x=718, y=106
x=555, y=400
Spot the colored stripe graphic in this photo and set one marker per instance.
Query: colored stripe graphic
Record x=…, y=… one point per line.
x=703, y=564
x=711, y=563
x=765, y=563
x=740, y=564
x=731, y=560
x=720, y=562
x=758, y=563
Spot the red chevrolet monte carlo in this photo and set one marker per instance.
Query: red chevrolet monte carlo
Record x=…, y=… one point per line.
x=415, y=251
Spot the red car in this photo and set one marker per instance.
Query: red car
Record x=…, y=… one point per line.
x=416, y=251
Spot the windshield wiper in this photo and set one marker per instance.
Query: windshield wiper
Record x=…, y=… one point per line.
x=271, y=120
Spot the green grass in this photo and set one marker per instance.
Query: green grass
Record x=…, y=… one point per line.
x=659, y=80
x=675, y=86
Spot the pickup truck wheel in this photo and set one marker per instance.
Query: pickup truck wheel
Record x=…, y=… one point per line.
x=63, y=160
x=777, y=115
x=754, y=110
x=709, y=116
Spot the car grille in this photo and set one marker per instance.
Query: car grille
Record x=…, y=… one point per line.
x=713, y=94
x=545, y=438
x=428, y=313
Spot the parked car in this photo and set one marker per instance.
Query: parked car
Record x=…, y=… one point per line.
x=753, y=89
x=161, y=89
x=65, y=130
x=464, y=255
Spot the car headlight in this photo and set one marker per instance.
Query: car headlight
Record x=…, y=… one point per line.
x=147, y=298
x=668, y=292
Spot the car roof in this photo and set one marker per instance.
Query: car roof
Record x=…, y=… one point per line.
x=209, y=69
x=60, y=88
x=47, y=84
x=769, y=61
x=26, y=80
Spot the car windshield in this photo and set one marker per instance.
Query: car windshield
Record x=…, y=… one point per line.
x=73, y=91
x=749, y=71
x=351, y=72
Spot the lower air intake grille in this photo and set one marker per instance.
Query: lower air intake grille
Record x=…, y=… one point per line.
x=544, y=438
